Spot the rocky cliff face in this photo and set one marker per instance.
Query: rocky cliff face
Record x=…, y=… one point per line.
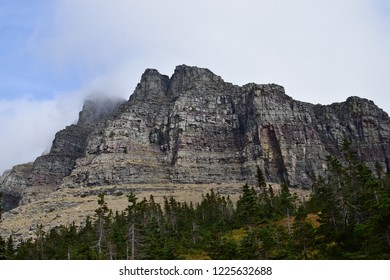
x=69, y=143
x=194, y=128
x=46, y=173
x=13, y=183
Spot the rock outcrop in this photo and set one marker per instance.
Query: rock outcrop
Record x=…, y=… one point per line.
x=13, y=183
x=194, y=128
x=47, y=171
x=69, y=144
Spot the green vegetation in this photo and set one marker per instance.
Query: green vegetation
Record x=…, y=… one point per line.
x=347, y=217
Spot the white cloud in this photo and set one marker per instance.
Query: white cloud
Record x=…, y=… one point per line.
x=28, y=126
x=321, y=51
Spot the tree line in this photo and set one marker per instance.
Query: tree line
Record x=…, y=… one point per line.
x=346, y=217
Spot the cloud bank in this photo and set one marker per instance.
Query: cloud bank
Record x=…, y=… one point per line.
x=320, y=51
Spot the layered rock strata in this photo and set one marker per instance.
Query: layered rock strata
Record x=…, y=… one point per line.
x=23, y=183
x=194, y=128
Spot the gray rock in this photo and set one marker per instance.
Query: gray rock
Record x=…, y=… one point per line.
x=194, y=128
x=12, y=184
x=47, y=171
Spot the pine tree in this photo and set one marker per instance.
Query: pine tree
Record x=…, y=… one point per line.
x=352, y=209
x=39, y=242
x=376, y=230
x=223, y=248
x=285, y=204
x=266, y=196
x=248, y=210
x=102, y=220
x=267, y=240
x=303, y=234
x=133, y=238
x=262, y=185
x=215, y=211
x=2, y=249
x=69, y=236
x=9, y=248
x=118, y=235
x=250, y=246
x=86, y=240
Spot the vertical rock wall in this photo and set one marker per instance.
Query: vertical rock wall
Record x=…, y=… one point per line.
x=195, y=128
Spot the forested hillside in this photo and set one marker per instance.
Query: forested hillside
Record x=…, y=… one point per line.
x=347, y=217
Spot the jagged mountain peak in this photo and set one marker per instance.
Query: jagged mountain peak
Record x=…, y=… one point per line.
x=194, y=73
x=195, y=128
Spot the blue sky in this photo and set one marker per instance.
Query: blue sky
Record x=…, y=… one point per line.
x=53, y=53
x=20, y=74
x=23, y=72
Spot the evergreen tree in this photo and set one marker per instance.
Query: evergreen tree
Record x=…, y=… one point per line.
x=352, y=210
x=215, y=211
x=40, y=235
x=86, y=241
x=285, y=204
x=223, y=248
x=24, y=250
x=262, y=185
x=135, y=214
x=266, y=196
x=9, y=248
x=375, y=232
x=303, y=235
x=118, y=236
x=250, y=248
x=352, y=205
x=102, y=221
x=2, y=249
x=248, y=210
x=267, y=240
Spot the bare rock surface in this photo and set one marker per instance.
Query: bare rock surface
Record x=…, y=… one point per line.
x=195, y=129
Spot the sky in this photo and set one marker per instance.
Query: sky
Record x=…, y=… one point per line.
x=53, y=53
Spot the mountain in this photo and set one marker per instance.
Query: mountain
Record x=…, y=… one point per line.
x=195, y=128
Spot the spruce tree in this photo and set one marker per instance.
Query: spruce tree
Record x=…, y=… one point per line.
x=262, y=185
x=132, y=235
x=39, y=242
x=285, y=204
x=265, y=196
x=9, y=248
x=248, y=210
x=303, y=234
x=2, y=249
x=102, y=219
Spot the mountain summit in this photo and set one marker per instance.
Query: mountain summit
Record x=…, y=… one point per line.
x=195, y=128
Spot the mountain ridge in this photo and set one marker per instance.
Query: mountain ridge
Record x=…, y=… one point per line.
x=195, y=128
